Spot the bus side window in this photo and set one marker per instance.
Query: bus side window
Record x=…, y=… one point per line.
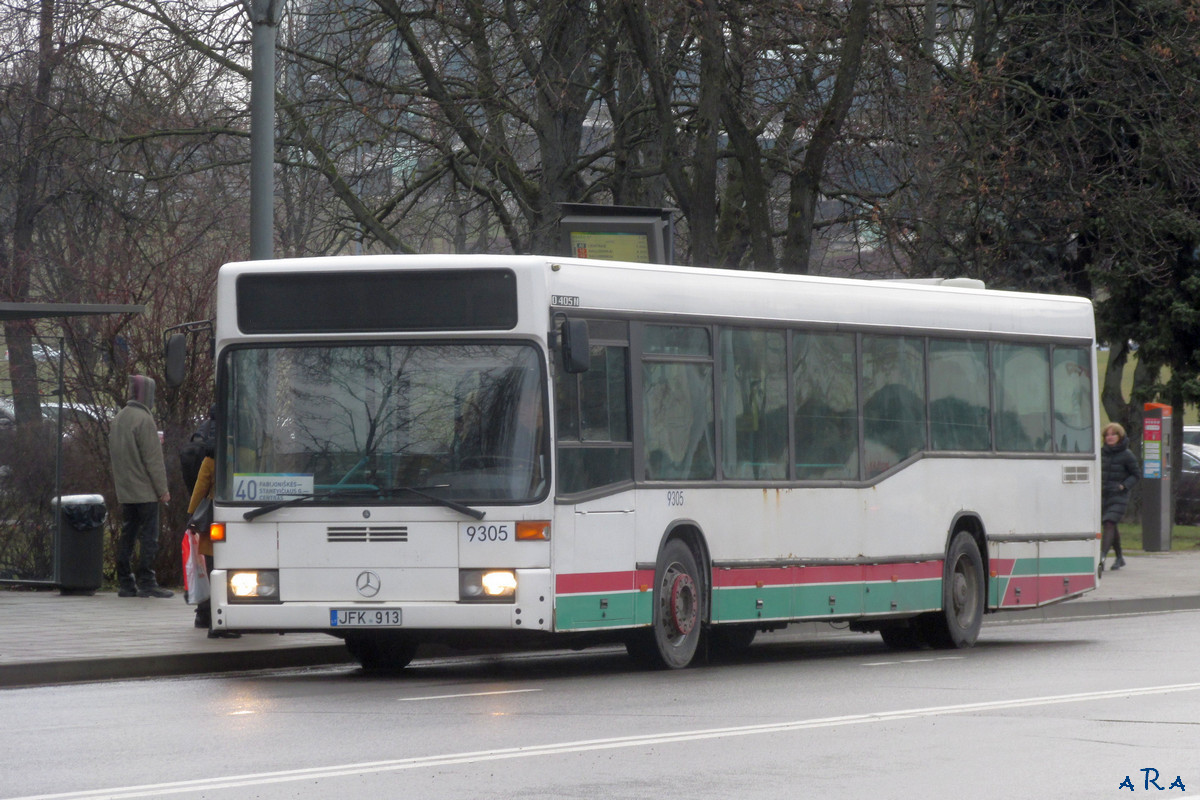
x=677, y=403
x=1021, y=377
x=959, y=407
x=1073, y=425
x=893, y=380
x=825, y=389
x=754, y=427
x=594, y=445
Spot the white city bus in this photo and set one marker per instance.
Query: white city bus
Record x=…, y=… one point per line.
x=464, y=449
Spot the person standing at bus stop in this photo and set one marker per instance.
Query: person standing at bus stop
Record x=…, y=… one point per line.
x=140, y=477
x=201, y=491
x=1119, y=472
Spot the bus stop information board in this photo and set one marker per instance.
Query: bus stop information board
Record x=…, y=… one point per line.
x=611, y=246
x=1152, y=447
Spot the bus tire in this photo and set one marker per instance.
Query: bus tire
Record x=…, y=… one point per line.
x=678, y=619
x=957, y=624
x=381, y=652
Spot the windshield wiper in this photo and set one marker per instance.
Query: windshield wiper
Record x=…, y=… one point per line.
x=442, y=501
x=357, y=492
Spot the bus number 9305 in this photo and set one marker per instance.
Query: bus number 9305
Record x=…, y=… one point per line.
x=478, y=534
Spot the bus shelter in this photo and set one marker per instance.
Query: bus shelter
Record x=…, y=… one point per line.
x=10, y=575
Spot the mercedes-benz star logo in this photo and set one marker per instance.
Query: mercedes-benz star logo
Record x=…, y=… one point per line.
x=368, y=584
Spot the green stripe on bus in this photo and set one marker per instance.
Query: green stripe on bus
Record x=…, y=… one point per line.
x=1063, y=565
x=741, y=603
x=1068, y=565
x=576, y=612
x=1024, y=567
x=747, y=604
x=903, y=596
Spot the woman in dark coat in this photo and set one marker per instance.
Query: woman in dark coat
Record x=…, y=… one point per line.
x=1119, y=471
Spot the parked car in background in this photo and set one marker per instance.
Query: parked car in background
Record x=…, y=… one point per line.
x=1187, y=492
x=1191, y=434
x=77, y=411
x=75, y=415
x=40, y=353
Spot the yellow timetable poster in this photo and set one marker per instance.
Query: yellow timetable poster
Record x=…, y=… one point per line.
x=610, y=246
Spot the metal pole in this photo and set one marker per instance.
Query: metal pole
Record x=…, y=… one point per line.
x=56, y=556
x=264, y=18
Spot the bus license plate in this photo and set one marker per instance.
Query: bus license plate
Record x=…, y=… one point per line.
x=364, y=617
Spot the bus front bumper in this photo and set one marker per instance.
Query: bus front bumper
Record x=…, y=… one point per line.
x=531, y=609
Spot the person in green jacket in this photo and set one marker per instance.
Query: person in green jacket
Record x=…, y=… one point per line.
x=140, y=475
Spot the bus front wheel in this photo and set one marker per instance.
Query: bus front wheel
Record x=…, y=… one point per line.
x=958, y=623
x=678, y=610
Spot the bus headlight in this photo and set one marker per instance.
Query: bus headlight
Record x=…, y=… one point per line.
x=487, y=586
x=254, y=586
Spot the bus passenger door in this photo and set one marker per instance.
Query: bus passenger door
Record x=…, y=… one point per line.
x=599, y=588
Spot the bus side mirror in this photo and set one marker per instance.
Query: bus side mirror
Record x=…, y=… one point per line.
x=176, y=358
x=576, y=349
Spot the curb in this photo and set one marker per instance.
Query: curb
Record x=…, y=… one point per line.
x=90, y=670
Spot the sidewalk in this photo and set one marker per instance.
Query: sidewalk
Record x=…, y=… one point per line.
x=49, y=638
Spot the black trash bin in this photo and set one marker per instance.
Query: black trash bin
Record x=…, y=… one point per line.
x=79, y=557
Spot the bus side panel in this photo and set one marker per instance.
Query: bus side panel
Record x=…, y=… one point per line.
x=811, y=592
x=771, y=547
x=1014, y=580
x=1065, y=569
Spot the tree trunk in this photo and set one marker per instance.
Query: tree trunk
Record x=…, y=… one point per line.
x=18, y=334
x=805, y=187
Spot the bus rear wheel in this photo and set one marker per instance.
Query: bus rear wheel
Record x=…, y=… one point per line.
x=678, y=611
x=959, y=621
x=381, y=652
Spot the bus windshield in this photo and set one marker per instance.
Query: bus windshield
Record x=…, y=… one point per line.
x=458, y=420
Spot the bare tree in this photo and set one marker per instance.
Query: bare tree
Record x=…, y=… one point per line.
x=117, y=169
x=29, y=75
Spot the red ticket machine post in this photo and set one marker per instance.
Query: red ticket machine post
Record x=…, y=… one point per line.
x=1156, y=477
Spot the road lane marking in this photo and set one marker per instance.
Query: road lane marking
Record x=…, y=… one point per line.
x=895, y=661
x=482, y=756
x=465, y=694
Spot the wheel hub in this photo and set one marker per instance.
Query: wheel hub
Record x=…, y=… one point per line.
x=682, y=603
x=960, y=591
